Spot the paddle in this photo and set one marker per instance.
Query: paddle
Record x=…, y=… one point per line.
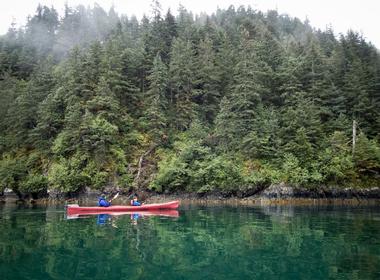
x=115, y=196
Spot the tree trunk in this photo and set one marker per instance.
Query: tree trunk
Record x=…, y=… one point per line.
x=353, y=137
x=141, y=160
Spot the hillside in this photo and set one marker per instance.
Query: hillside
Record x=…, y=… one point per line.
x=227, y=102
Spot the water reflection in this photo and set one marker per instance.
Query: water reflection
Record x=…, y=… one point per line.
x=102, y=219
x=109, y=217
x=162, y=213
x=201, y=242
x=134, y=218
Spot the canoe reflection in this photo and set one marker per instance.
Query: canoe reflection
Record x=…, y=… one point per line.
x=104, y=216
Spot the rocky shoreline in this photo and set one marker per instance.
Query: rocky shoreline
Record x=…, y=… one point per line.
x=274, y=194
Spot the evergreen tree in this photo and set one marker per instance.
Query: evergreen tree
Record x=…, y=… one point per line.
x=300, y=131
x=225, y=57
x=246, y=91
x=169, y=33
x=208, y=83
x=264, y=141
x=41, y=30
x=156, y=99
x=185, y=24
x=120, y=73
x=182, y=84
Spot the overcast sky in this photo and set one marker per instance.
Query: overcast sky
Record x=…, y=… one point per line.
x=362, y=16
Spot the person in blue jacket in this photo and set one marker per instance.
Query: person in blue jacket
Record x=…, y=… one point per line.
x=103, y=201
x=135, y=202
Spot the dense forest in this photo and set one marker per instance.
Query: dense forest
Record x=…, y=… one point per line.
x=228, y=102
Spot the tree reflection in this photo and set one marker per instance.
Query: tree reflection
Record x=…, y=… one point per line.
x=215, y=243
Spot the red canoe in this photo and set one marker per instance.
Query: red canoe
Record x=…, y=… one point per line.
x=76, y=209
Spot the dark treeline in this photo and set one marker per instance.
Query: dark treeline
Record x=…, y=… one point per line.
x=225, y=102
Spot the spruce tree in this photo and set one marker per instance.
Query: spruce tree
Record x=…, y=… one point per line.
x=208, y=81
x=156, y=100
x=246, y=90
x=182, y=83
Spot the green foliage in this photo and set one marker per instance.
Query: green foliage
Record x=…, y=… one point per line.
x=262, y=175
x=367, y=155
x=293, y=172
x=263, y=141
x=208, y=81
x=97, y=178
x=194, y=167
x=97, y=134
x=336, y=162
x=125, y=180
x=156, y=99
x=34, y=183
x=172, y=176
x=182, y=81
x=336, y=167
x=12, y=172
x=216, y=173
x=66, y=175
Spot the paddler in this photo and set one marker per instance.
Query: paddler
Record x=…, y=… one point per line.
x=135, y=202
x=103, y=201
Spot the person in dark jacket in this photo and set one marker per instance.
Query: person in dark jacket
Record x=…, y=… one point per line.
x=103, y=202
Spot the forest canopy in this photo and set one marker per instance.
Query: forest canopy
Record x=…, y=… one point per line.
x=226, y=102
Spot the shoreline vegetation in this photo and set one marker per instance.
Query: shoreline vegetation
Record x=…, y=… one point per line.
x=238, y=103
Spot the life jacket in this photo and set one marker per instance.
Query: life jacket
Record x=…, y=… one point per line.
x=135, y=203
x=103, y=202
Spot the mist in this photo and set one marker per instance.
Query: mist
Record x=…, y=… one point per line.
x=48, y=34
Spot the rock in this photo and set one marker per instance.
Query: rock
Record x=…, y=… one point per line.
x=284, y=191
x=8, y=195
x=91, y=192
x=277, y=191
x=55, y=194
x=249, y=190
x=369, y=193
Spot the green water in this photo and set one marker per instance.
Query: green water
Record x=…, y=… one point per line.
x=202, y=243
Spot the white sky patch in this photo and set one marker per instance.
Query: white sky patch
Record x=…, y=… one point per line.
x=362, y=16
